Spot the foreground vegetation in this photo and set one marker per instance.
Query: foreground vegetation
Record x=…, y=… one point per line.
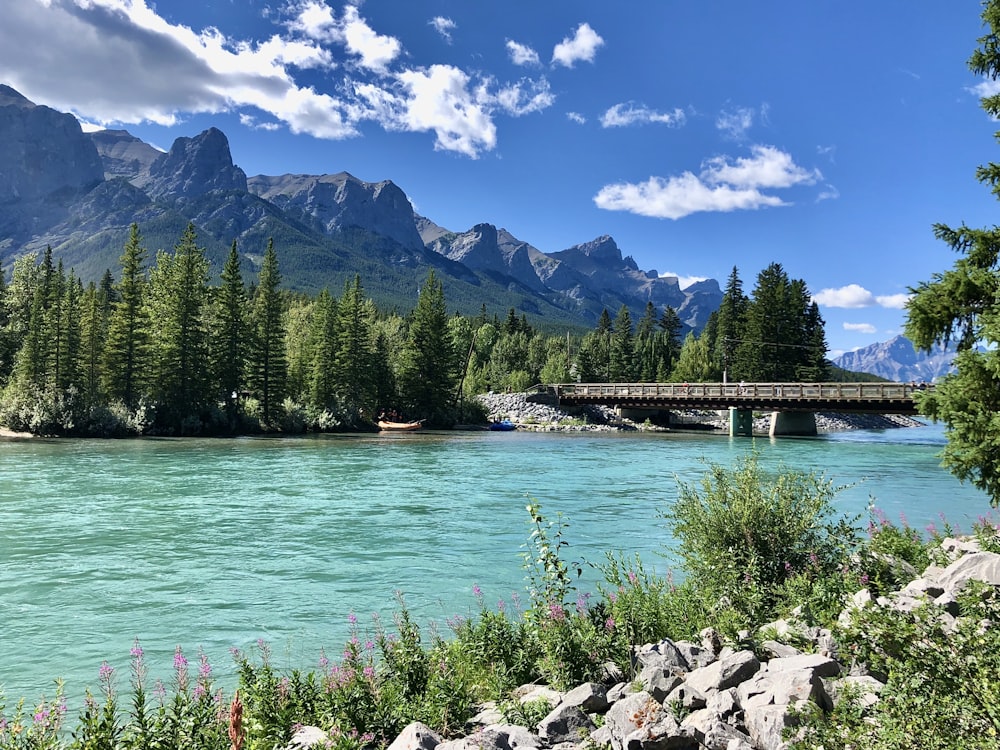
x=750, y=548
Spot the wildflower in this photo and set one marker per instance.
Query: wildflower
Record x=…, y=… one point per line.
x=352, y=618
x=476, y=591
x=788, y=567
x=609, y=624
x=136, y=650
x=632, y=577
x=864, y=579
x=369, y=671
x=204, y=668
x=180, y=661
x=105, y=672
x=556, y=612
x=369, y=646
x=501, y=605
x=323, y=661
x=612, y=596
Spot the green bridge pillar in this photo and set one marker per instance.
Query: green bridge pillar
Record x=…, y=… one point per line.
x=793, y=423
x=740, y=422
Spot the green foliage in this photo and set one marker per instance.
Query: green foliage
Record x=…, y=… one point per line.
x=744, y=537
x=942, y=690
x=961, y=304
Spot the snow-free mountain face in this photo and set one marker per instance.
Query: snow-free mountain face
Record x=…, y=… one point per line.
x=79, y=192
x=896, y=359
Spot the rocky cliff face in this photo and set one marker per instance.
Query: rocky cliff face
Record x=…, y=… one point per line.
x=333, y=203
x=195, y=166
x=897, y=360
x=124, y=155
x=42, y=151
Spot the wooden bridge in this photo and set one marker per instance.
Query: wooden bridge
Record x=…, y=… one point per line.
x=797, y=401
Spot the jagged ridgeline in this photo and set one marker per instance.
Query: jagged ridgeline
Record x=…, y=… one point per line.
x=79, y=193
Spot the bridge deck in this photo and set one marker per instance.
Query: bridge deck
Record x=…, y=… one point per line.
x=881, y=398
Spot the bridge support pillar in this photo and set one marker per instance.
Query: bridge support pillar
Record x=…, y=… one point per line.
x=793, y=423
x=740, y=422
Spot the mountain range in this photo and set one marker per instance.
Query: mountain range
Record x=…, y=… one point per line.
x=78, y=193
x=897, y=360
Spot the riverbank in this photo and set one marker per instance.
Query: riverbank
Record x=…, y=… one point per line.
x=528, y=415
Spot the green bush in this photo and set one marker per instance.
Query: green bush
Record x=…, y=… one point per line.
x=749, y=540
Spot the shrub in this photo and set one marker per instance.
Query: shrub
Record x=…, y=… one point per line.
x=748, y=539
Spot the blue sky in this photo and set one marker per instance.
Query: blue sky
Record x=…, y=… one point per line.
x=825, y=135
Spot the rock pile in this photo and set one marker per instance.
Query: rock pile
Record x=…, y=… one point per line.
x=698, y=696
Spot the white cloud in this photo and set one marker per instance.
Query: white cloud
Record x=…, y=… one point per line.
x=443, y=26
x=851, y=296
x=375, y=50
x=767, y=167
x=582, y=45
x=722, y=185
x=855, y=296
x=986, y=87
x=893, y=301
x=576, y=117
x=521, y=54
x=860, y=327
x=629, y=113
x=524, y=97
x=439, y=100
x=828, y=193
x=735, y=123
x=119, y=62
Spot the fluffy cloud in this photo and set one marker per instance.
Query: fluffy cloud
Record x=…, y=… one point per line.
x=629, y=113
x=583, y=45
x=723, y=185
x=443, y=26
x=123, y=63
x=576, y=117
x=860, y=327
x=854, y=296
x=521, y=54
x=683, y=281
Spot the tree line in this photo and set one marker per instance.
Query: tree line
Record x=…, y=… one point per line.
x=158, y=349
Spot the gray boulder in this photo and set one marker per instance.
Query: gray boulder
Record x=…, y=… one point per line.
x=727, y=672
x=565, y=724
x=416, y=736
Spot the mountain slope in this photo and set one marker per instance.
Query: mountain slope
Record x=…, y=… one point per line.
x=78, y=193
x=897, y=360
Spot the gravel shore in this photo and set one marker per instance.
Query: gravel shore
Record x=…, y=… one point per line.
x=545, y=418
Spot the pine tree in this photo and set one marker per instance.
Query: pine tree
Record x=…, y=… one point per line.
x=354, y=358
x=323, y=343
x=427, y=372
x=622, y=349
x=94, y=317
x=269, y=363
x=68, y=371
x=670, y=330
x=178, y=303
x=126, y=353
x=229, y=342
x=730, y=327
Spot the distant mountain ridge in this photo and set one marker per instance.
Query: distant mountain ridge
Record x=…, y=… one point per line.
x=897, y=360
x=79, y=192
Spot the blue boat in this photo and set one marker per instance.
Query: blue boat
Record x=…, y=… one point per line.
x=504, y=425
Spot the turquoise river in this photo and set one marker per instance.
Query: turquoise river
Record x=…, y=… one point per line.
x=214, y=544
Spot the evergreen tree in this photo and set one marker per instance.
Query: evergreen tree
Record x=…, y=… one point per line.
x=94, y=319
x=670, y=330
x=229, y=343
x=427, y=372
x=178, y=302
x=354, y=358
x=730, y=326
x=126, y=354
x=621, y=355
x=68, y=372
x=963, y=305
x=774, y=344
x=323, y=345
x=268, y=362
x=18, y=301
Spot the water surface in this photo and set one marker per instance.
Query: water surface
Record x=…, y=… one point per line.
x=214, y=544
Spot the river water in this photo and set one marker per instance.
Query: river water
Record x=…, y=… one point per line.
x=214, y=544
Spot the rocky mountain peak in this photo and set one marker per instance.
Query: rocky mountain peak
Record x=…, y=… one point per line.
x=896, y=359
x=42, y=151
x=195, y=166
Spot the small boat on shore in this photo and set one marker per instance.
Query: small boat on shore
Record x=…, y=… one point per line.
x=388, y=426
x=504, y=425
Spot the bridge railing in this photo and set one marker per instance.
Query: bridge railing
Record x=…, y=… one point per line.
x=748, y=391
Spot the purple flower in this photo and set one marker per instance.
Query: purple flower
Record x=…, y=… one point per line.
x=180, y=661
x=369, y=671
x=501, y=605
x=204, y=668
x=136, y=650
x=352, y=619
x=476, y=591
x=632, y=577
x=323, y=661
x=609, y=624
x=556, y=612
x=105, y=672
x=369, y=646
